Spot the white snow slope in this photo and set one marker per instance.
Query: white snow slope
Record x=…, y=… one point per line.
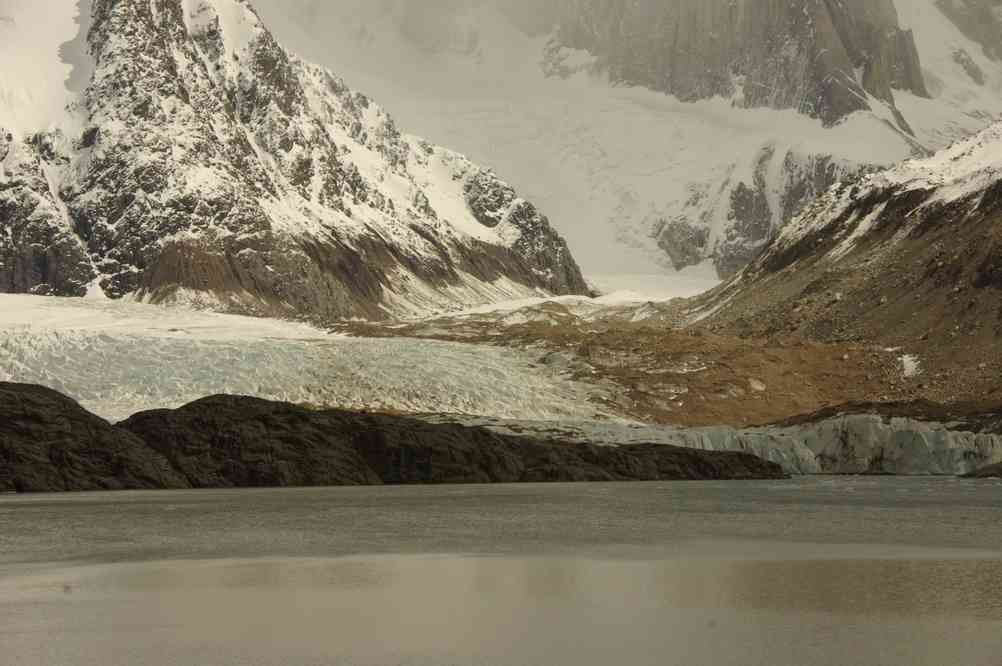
x=118, y=358
x=610, y=164
x=37, y=61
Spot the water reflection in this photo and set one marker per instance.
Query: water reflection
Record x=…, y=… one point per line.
x=547, y=610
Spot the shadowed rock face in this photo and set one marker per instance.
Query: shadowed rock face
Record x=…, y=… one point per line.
x=821, y=57
x=49, y=443
x=215, y=164
x=230, y=441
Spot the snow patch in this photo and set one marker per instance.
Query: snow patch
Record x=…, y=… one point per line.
x=911, y=366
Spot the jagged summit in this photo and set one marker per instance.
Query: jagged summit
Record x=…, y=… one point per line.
x=212, y=167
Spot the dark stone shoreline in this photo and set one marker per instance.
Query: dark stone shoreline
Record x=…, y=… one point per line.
x=48, y=443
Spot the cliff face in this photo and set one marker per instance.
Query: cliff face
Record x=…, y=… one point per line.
x=213, y=167
x=820, y=57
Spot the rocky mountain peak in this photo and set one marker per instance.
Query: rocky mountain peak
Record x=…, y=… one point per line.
x=215, y=168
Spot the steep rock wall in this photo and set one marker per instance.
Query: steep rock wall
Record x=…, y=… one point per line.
x=820, y=57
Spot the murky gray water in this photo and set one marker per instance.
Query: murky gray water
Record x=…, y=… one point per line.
x=811, y=571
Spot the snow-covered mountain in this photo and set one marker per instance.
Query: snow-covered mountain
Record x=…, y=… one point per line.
x=201, y=162
x=684, y=131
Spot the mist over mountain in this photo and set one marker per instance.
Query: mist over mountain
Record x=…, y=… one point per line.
x=683, y=132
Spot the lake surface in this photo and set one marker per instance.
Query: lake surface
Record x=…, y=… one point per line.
x=813, y=571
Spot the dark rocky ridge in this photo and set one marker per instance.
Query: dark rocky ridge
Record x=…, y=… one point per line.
x=49, y=443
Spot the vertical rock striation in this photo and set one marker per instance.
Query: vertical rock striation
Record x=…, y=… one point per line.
x=824, y=58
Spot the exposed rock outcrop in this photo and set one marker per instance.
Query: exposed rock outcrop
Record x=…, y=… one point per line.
x=49, y=443
x=39, y=251
x=231, y=441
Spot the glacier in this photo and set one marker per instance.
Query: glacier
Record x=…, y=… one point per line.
x=842, y=444
x=117, y=358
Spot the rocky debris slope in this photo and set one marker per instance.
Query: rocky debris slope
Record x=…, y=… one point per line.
x=642, y=368
x=48, y=443
x=203, y=163
x=908, y=259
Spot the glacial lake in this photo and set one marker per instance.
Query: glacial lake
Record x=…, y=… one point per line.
x=809, y=572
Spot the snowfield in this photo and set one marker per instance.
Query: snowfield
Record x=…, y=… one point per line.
x=119, y=358
x=609, y=164
x=41, y=46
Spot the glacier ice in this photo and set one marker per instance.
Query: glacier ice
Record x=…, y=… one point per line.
x=118, y=358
